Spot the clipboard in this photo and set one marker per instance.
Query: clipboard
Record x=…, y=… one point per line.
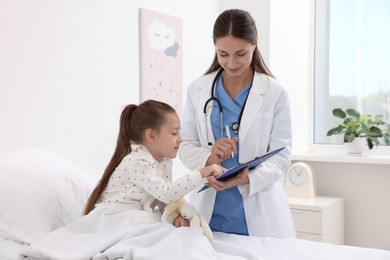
x=252, y=163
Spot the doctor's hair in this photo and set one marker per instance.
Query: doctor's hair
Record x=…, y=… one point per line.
x=134, y=121
x=240, y=24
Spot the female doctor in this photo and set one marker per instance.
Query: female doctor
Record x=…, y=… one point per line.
x=234, y=112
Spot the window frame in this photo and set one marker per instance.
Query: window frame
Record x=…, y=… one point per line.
x=320, y=82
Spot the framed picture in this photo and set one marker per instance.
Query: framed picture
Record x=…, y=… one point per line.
x=161, y=58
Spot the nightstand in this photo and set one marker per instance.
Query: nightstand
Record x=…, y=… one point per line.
x=319, y=219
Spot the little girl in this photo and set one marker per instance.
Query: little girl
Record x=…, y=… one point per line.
x=149, y=137
x=114, y=223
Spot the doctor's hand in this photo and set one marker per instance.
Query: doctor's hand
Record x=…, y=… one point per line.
x=222, y=150
x=241, y=179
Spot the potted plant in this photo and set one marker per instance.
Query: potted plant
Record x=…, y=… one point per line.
x=356, y=125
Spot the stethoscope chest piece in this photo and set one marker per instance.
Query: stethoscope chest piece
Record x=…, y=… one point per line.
x=235, y=127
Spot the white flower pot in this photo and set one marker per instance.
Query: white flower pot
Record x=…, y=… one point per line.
x=356, y=146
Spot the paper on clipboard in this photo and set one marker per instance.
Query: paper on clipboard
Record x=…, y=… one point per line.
x=231, y=172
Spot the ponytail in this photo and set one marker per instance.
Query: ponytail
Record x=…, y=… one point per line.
x=123, y=148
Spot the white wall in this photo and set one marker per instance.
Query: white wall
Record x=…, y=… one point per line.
x=365, y=190
x=291, y=48
x=67, y=69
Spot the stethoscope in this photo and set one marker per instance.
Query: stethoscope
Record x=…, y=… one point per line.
x=236, y=125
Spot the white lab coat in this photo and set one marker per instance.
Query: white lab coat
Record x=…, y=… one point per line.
x=265, y=125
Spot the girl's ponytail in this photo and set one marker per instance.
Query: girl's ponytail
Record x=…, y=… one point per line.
x=123, y=148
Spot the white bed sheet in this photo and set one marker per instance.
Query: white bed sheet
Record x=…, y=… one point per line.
x=265, y=248
x=294, y=249
x=9, y=249
x=113, y=233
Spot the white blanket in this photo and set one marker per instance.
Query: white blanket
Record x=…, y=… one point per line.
x=117, y=232
x=299, y=249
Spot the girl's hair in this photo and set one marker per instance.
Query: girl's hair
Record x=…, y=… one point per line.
x=134, y=121
x=239, y=24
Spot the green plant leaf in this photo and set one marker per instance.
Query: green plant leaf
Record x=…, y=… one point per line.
x=365, y=118
x=353, y=113
x=378, y=119
x=338, y=112
x=387, y=140
x=372, y=141
x=374, y=131
x=352, y=126
x=335, y=131
x=348, y=137
x=369, y=143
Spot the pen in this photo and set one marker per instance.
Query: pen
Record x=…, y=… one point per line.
x=228, y=135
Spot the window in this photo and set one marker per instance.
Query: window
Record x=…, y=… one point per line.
x=352, y=61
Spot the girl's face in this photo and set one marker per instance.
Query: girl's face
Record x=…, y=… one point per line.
x=234, y=54
x=166, y=141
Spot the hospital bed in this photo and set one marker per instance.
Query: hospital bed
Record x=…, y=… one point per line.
x=41, y=192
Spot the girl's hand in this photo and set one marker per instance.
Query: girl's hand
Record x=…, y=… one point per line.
x=222, y=150
x=180, y=221
x=211, y=170
x=241, y=179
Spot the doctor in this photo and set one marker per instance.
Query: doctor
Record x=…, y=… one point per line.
x=234, y=112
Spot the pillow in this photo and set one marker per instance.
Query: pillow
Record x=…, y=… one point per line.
x=40, y=192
